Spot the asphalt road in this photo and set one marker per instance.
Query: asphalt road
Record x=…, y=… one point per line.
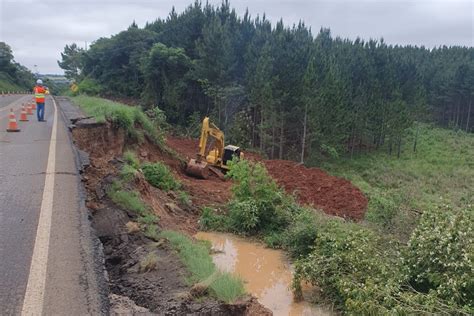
x=42, y=220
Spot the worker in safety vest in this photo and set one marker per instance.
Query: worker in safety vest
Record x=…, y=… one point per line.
x=40, y=92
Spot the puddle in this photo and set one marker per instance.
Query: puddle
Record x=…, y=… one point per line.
x=266, y=273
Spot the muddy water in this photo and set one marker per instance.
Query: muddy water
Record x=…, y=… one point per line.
x=266, y=272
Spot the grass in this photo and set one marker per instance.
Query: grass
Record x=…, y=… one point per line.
x=6, y=84
x=132, y=119
x=195, y=256
x=149, y=263
x=160, y=176
x=440, y=172
x=129, y=200
x=131, y=159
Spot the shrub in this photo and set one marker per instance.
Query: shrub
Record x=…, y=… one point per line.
x=89, y=86
x=258, y=204
x=301, y=234
x=440, y=255
x=210, y=220
x=347, y=263
x=160, y=176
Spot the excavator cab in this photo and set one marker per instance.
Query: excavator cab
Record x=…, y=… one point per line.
x=230, y=151
x=218, y=157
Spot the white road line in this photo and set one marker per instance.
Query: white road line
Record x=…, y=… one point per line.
x=34, y=295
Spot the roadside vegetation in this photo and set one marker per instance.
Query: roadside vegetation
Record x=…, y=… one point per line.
x=13, y=76
x=131, y=119
x=195, y=256
x=122, y=193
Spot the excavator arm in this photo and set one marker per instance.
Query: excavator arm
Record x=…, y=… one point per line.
x=215, y=159
x=210, y=130
x=199, y=167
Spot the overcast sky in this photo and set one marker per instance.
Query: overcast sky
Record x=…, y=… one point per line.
x=38, y=30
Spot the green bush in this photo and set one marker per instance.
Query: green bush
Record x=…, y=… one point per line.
x=440, y=255
x=160, y=176
x=89, y=86
x=348, y=264
x=258, y=204
x=211, y=221
x=301, y=234
x=367, y=275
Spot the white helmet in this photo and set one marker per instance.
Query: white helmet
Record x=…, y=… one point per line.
x=39, y=81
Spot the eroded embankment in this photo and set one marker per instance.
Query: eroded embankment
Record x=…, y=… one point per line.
x=312, y=186
x=158, y=286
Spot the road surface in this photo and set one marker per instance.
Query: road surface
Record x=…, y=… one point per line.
x=47, y=264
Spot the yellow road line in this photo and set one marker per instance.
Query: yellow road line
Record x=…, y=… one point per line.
x=34, y=295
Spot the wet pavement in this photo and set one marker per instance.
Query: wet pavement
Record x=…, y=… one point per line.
x=70, y=282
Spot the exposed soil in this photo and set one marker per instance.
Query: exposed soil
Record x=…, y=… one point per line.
x=160, y=290
x=312, y=186
x=210, y=192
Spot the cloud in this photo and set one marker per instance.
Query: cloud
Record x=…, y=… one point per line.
x=38, y=31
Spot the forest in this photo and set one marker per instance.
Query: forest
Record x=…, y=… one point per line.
x=13, y=75
x=280, y=89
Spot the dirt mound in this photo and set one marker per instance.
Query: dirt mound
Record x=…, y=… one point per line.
x=312, y=186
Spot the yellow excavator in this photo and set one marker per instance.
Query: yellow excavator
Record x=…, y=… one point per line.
x=216, y=159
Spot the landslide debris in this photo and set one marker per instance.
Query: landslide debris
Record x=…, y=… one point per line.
x=312, y=186
x=145, y=274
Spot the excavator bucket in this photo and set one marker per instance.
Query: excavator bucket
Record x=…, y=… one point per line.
x=198, y=169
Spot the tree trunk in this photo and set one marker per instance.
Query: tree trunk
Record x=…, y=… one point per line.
x=253, y=126
x=353, y=141
x=303, y=141
x=280, y=154
x=416, y=137
x=458, y=107
x=399, y=146
x=273, y=140
x=468, y=115
x=390, y=147
x=262, y=141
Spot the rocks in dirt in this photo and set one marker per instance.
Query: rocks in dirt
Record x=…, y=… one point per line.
x=173, y=208
x=199, y=290
x=132, y=227
x=122, y=305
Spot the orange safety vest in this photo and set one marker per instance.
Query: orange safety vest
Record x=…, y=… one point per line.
x=39, y=94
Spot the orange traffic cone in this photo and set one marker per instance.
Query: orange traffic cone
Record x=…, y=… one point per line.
x=23, y=117
x=29, y=111
x=12, y=124
x=33, y=106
